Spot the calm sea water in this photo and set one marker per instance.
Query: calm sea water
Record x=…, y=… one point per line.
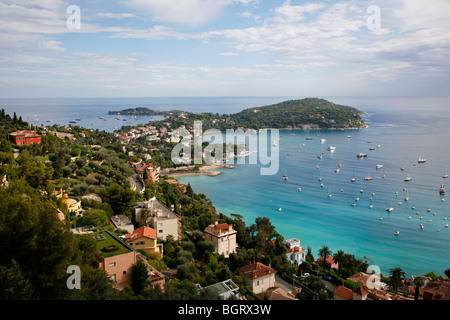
x=403, y=128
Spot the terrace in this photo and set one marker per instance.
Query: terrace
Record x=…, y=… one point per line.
x=109, y=246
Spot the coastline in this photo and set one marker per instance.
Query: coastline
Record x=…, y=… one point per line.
x=206, y=170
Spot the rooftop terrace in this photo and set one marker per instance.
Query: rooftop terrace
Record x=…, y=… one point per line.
x=109, y=246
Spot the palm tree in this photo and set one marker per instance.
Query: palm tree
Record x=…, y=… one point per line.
x=325, y=252
x=397, y=275
x=339, y=258
x=418, y=283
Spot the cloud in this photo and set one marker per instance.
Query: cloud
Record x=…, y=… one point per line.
x=184, y=12
x=52, y=45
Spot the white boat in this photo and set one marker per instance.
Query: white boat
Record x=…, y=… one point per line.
x=379, y=166
x=299, y=189
x=421, y=159
x=323, y=140
x=408, y=178
x=331, y=148
x=397, y=233
x=353, y=180
x=389, y=209
x=361, y=155
x=442, y=189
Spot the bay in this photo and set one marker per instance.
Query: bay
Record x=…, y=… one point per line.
x=404, y=127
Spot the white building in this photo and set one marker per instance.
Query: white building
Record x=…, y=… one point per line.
x=295, y=253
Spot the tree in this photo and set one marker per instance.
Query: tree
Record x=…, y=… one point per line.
x=447, y=273
x=338, y=257
x=14, y=285
x=418, y=283
x=94, y=217
x=140, y=277
x=397, y=276
x=324, y=252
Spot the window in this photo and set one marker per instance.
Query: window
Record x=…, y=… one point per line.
x=113, y=277
x=112, y=264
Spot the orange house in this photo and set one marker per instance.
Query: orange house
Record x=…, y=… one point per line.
x=25, y=137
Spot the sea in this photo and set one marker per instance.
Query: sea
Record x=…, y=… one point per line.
x=334, y=212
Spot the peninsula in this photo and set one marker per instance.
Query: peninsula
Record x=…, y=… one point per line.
x=302, y=114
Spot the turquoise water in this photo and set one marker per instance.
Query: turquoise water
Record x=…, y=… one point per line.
x=405, y=128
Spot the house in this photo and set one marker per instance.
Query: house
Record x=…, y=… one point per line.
x=114, y=257
x=144, y=239
x=258, y=276
x=437, y=290
x=367, y=280
x=73, y=203
x=117, y=259
x=141, y=167
x=330, y=261
x=223, y=236
x=294, y=252
x=27, y=137
x=343, y=293
x=157, y=216
x=276, y=294
x=121, y=221
x=224, y=289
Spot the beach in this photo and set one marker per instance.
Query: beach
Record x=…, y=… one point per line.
x=206, y=170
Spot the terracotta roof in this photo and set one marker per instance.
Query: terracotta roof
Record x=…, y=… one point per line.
x=437, y=290
x=361, y=291
x=360, y=277
x=222, y=226
x=344, y=293
x=275, y=294
x=141, y=232
x=256, y=270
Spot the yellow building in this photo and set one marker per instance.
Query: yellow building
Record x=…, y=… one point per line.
x=145, y=239
x=73, y=203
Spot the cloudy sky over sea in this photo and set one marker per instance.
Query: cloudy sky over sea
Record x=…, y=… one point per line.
x=145, y=48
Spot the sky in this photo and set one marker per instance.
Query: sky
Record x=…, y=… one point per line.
x=183, y=48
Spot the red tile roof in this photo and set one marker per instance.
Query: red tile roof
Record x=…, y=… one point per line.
x=344, y=293
x=256, y=270
x=141, y=232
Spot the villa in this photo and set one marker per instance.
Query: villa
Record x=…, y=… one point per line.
x=117, y=259
x=223, y=236
x=25, y=137
x=156, y=215
x=294, y=252
x=145, y=239
x=258, y=276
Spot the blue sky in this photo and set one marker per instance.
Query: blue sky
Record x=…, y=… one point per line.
x=140, y=48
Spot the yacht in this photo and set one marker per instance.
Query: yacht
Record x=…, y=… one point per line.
x=379, y=166
x=331, y=148
x=285, y=177
x=389, y=209
x=353, y=180
x=442, y=189
x=422, y=160
x=361, y=155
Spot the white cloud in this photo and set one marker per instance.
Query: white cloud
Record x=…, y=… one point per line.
x=52, y=45
x=184, y=12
